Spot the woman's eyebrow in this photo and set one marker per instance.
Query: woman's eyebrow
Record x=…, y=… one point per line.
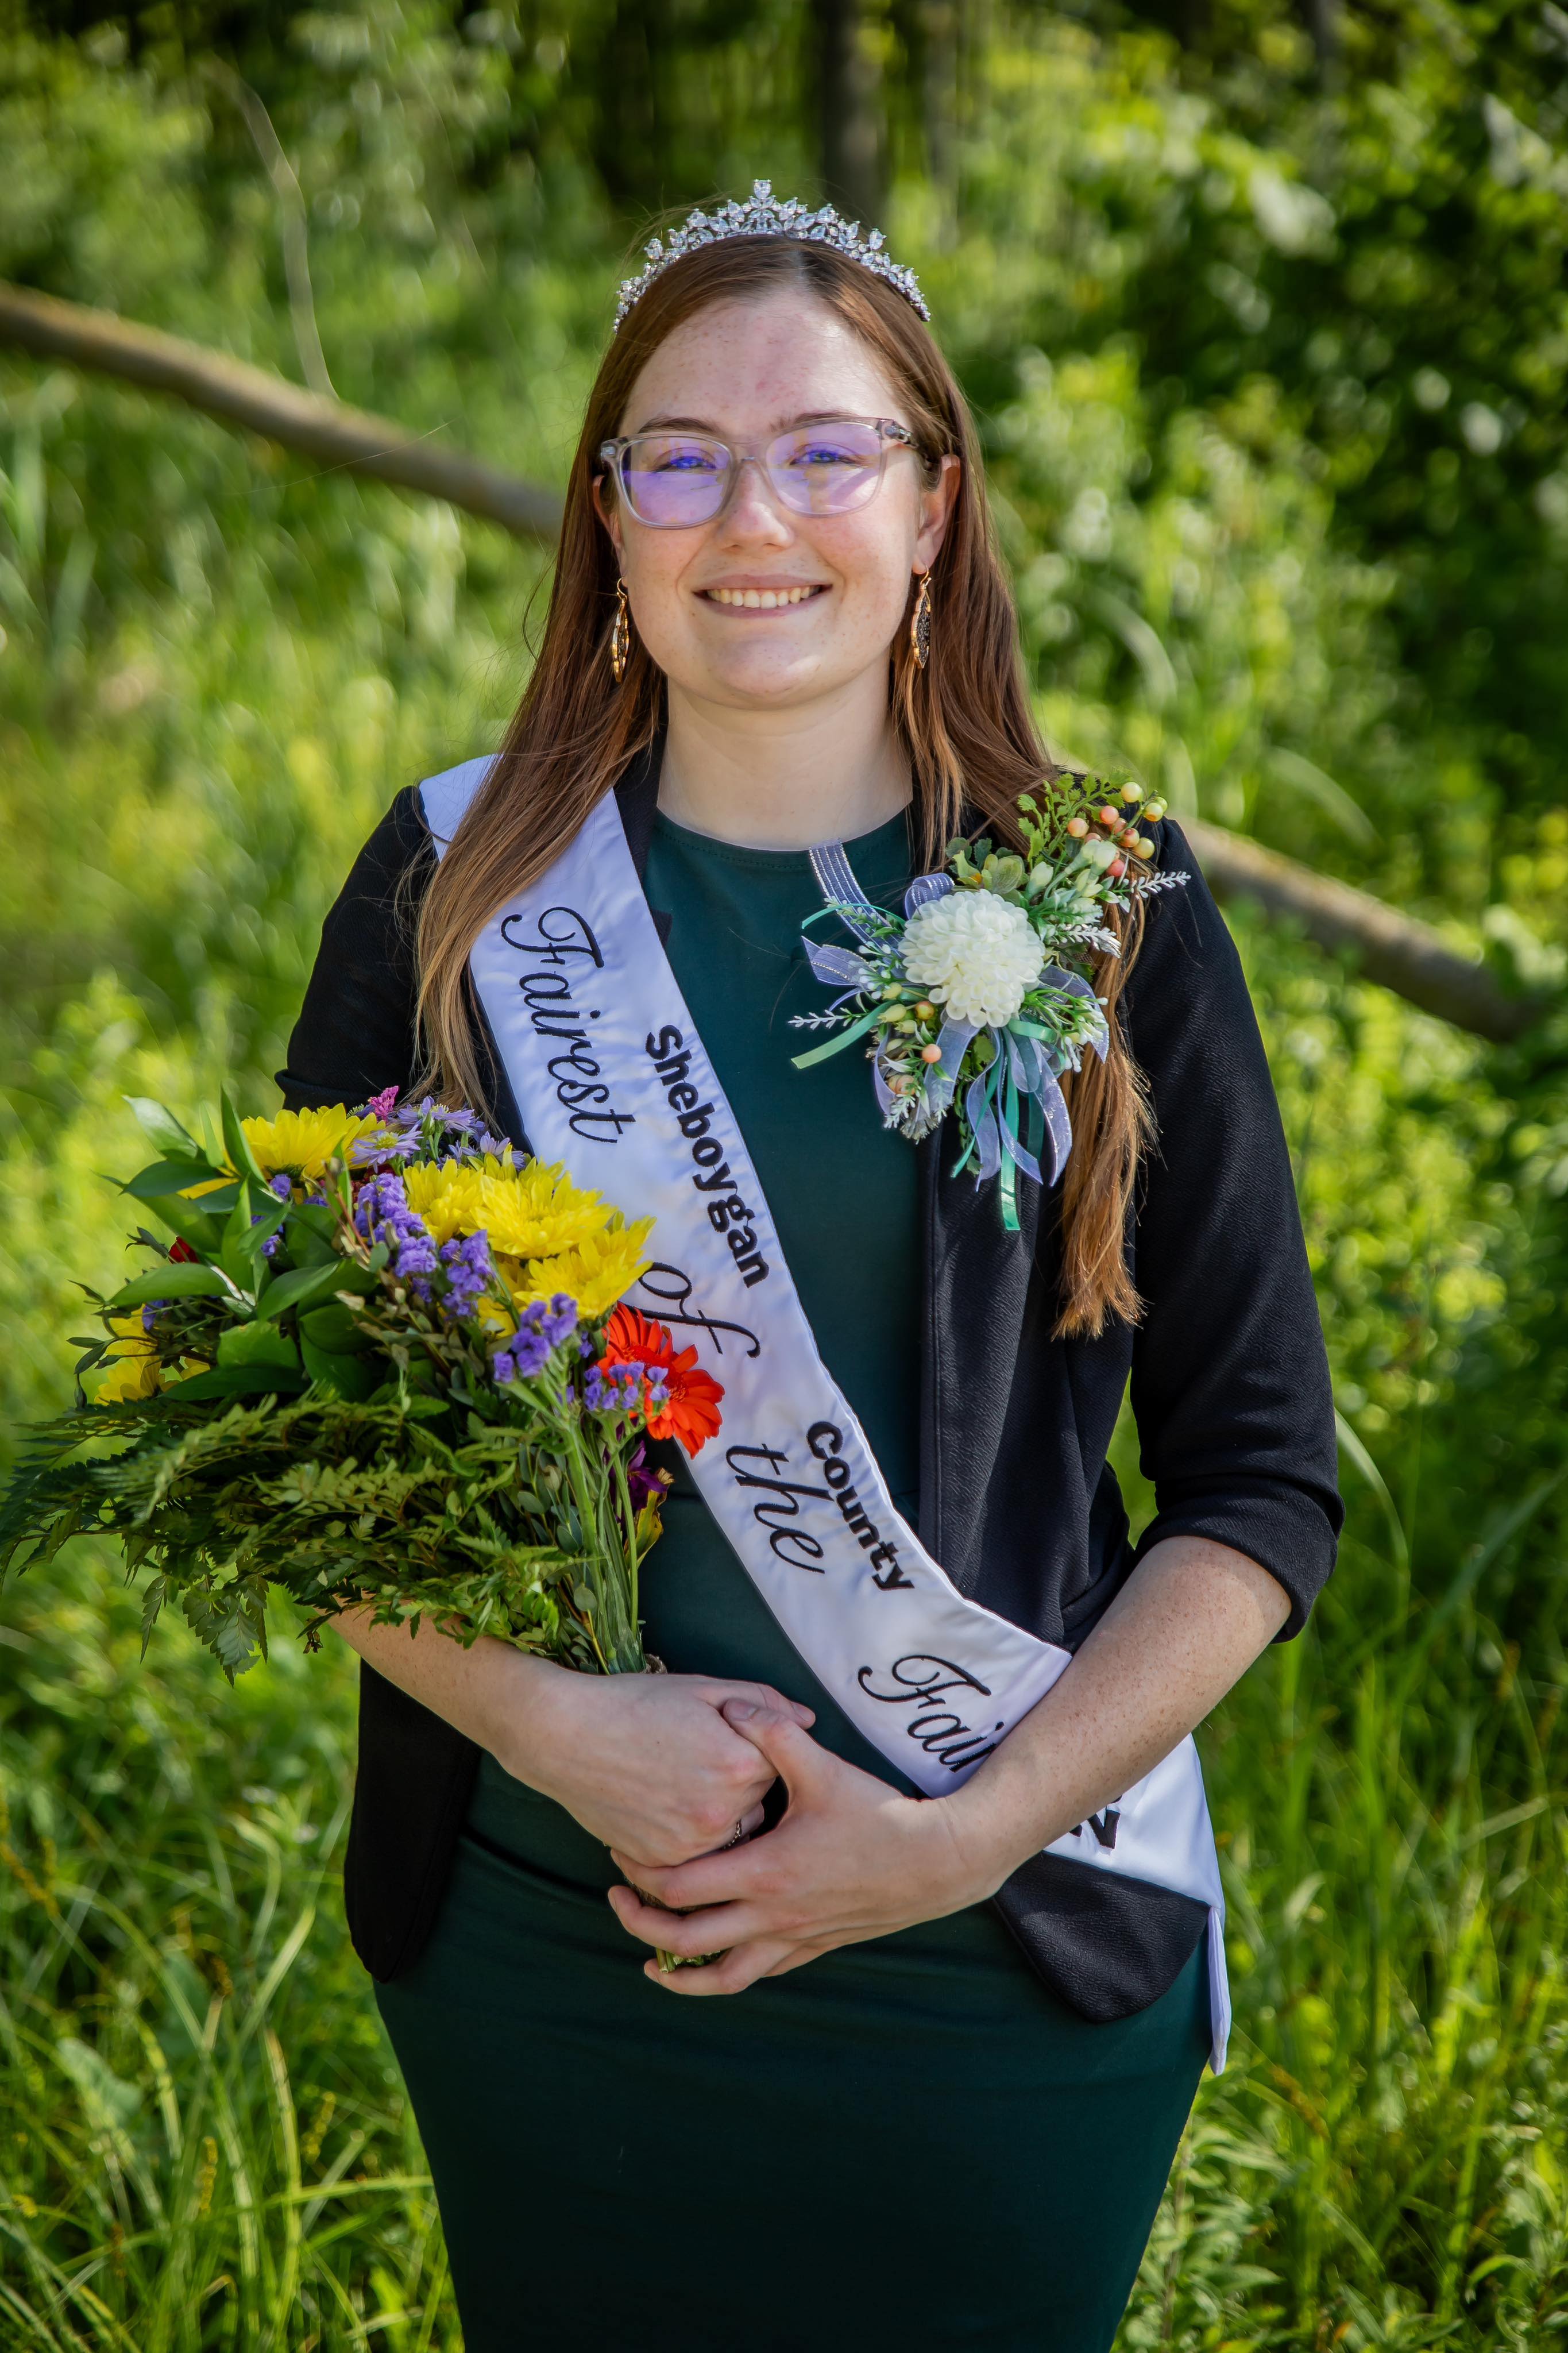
x=702, y=424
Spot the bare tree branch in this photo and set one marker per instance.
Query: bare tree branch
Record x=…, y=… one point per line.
x=328, y=431
x=1401, y=954
x=1405, y=956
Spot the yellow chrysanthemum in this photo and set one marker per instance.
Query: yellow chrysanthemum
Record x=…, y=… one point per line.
x=304, y=1141
x=134, y=1370
x=531, y=1212
x=595, y=1272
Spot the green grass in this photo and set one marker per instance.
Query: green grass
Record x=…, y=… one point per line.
x=203, y=2137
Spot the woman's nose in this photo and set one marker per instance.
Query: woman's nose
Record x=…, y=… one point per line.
x=753, y=511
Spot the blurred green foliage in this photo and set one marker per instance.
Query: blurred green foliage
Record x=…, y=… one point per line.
x=1265, y=317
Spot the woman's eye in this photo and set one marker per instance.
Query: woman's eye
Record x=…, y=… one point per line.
x=681, y=461
x=826, y=453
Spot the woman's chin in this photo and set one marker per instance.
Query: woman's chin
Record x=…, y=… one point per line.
x=764, y=678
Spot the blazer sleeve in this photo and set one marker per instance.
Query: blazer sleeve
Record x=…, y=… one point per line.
x=1230, y=1379
x=355, y=1034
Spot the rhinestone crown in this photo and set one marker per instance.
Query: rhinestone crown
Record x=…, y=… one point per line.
x=763, y=215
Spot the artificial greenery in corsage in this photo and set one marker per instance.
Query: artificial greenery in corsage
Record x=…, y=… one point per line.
x=980, y=994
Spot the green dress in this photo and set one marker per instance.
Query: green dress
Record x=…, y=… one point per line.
x=909, y=2142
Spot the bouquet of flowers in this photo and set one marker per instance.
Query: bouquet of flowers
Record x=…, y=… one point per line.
x=980, y=994
x=373, y=1359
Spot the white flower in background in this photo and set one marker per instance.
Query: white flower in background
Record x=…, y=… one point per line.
x=974, y=954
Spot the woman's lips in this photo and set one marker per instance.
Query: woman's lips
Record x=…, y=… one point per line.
x=765, y=600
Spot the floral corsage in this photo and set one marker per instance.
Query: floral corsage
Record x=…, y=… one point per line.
x=981, y=993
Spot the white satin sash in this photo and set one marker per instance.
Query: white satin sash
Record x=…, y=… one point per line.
x=610, y=1076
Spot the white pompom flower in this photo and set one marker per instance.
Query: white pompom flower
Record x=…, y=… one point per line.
x=974, y=954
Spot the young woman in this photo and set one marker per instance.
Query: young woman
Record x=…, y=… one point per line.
x=931, y=2092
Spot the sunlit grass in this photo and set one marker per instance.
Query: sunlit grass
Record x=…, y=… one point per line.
x=202, y=2139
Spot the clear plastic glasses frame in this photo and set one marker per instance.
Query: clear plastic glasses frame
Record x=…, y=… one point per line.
x=673, y=480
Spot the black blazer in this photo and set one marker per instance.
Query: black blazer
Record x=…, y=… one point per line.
x=1229, y=1383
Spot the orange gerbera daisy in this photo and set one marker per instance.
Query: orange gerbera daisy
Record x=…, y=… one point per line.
x=692, y=1408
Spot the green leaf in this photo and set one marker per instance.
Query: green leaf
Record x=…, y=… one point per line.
x=153, y=1601
x=234, y=1249
x=231, y=1620
x=169, y=1176
x=346, y=1375
x=237, y=1144
x=257, y=1344
x=173, y=1281
x=302, y=1286
x=161, y=1128
x=336, y=1329
x=191, y=1220
x=310, y=1235
x=237, y=1381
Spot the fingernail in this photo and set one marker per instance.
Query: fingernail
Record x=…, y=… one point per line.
x=740, y=1707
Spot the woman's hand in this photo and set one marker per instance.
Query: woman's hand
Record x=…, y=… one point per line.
x=852, y=1859
x=646, y=1763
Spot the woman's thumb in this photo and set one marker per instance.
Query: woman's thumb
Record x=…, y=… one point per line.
x=779, y=1737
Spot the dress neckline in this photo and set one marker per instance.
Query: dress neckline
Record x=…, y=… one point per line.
x=773, y=861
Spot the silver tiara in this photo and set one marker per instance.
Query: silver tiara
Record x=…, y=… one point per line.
x=763, y=216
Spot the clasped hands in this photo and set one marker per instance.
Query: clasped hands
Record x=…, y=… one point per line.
x=851, y=1858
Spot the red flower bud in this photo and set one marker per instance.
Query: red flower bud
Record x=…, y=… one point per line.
x=182, y=1254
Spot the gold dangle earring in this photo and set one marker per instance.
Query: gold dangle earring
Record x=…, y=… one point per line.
x=621, y=634
x=919, y=624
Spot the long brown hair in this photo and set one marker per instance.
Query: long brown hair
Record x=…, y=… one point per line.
x=963, y=720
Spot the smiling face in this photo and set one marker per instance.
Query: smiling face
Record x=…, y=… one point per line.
x=763, y=608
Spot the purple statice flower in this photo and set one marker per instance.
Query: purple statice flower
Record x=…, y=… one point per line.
x=150, y=1309
x=613, y=1388
x=542, y=1327
x=467, y=1268
x=557, y=1318
x=383, y=1214
x=525, y=1354
x=281, y=1186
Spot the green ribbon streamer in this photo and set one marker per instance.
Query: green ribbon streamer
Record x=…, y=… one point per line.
x=1007, y=1172
x=836, y=1045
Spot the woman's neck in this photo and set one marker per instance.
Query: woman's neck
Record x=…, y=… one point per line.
x=783, y=779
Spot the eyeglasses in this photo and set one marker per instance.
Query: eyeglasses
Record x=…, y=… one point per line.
x=672, y=480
